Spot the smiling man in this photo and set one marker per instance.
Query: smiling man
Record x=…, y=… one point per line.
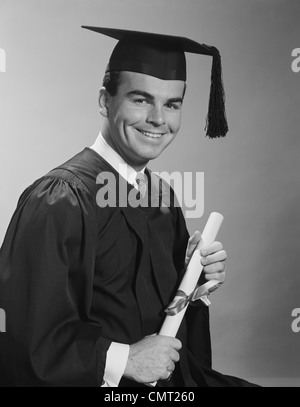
x=143, y=117
x=84, y=286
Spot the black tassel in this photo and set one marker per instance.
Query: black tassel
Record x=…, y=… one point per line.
x=216, y=121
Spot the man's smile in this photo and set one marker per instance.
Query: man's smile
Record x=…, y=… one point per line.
x=151, y=134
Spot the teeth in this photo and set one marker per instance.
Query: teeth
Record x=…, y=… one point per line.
x=152, y=135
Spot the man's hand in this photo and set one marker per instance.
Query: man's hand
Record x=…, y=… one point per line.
x=152, y=359
x=213, y=258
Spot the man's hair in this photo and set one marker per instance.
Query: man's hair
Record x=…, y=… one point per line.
x=112, y=80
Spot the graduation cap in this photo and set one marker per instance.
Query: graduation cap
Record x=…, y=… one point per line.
x=163, y=56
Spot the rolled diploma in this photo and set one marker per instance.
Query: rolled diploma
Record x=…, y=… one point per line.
x=193, y=272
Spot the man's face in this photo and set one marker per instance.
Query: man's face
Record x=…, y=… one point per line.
x=143, y=117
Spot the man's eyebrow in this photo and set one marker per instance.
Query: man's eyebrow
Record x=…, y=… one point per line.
x=140, y=93
x=175, y=100
x=151, y=97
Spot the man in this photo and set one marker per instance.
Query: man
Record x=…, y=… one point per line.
x=84, y=284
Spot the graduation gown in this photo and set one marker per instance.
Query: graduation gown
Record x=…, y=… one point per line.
x=74, y=277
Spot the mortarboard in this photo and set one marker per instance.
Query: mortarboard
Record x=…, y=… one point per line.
x=163, y=56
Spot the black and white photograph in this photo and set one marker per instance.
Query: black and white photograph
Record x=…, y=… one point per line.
x=150, y=190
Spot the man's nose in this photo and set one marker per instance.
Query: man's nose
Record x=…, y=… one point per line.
x=156, y=116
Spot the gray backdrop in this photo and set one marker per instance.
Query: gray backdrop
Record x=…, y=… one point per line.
x=48, y=112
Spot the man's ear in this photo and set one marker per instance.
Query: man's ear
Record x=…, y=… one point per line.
x=104, y=98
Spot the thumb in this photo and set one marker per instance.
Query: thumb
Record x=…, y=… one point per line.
x=192, y=243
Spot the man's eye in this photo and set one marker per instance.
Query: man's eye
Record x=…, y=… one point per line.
x=172, y=106
x=141, y=101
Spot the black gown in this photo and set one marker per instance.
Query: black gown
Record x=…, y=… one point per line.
x=74, y=277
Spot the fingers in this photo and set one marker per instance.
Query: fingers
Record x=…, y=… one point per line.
x=174, y=356
x=215, y=271
x=174, y=342
x=212, y=248
x=213, y=260
x=152, y=358
x=167, y=375
x=219, y=276
x=171, y=357
x=218, y=267
x=194, y=239
x=171, y=367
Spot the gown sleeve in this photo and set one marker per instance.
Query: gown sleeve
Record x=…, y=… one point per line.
x=46, y=283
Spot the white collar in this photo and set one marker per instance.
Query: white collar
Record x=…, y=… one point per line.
x=115, y=160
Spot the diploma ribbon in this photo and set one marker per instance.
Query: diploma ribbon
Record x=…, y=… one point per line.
x=182, y=300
